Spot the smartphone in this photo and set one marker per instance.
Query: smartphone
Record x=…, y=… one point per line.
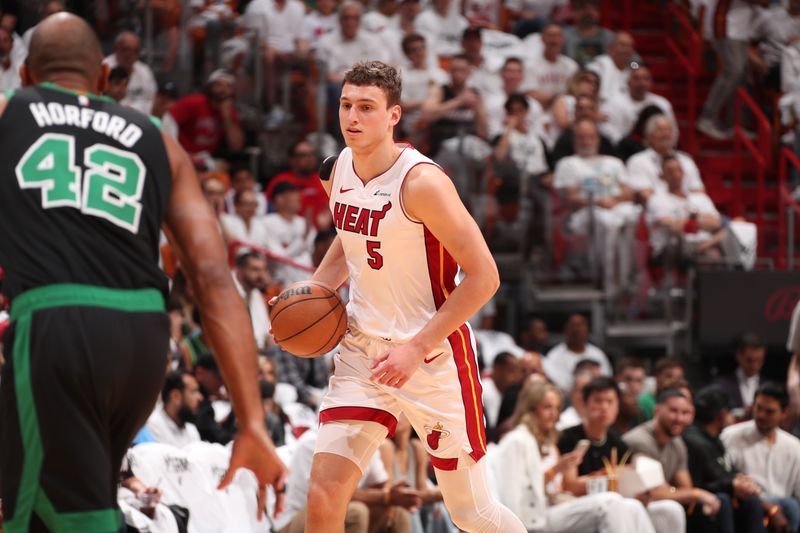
x=583, y=445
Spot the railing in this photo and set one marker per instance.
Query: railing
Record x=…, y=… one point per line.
x=689, y=58
x=759, y=149
x=788, y=210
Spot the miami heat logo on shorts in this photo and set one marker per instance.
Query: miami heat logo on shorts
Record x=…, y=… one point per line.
x=434, y=434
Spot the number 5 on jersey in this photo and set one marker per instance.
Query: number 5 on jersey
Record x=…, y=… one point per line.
x=112, y=184
x=375, y=259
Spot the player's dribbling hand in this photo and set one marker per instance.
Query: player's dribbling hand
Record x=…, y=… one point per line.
x=253, y=450
x=396, y=367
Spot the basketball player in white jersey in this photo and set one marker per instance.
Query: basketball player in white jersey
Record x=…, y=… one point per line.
x=403, y=233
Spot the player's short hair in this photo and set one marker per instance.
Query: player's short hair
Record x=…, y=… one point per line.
x=376, y=74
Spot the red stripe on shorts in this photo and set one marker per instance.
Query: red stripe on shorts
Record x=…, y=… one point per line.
x=444, y=464
x=366, y=414
x=471, y=390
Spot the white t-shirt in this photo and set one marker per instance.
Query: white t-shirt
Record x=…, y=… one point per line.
x=443, y=34
x=9, y=78
x=316, y=25
x=261, y=210
x=416, y=84
x=644, y=172
x=236, y=228
x=613, y=81
x=259, y=316
x=542, y=75
x=602, y=175
x=775, y=468
x=496, y=113
x=486, y=78
x=527, y=152
x=142, y=86
x=738, y=15
x=665, y=205
x=376, y=22
x=774, y=28
x=166, y=431
x=622, y=112
x=292, y=239
x=340, y=54
x=560, y=362
x=542, y=8
x=279, y=28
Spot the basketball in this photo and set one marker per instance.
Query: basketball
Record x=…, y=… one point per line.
x=308, y=319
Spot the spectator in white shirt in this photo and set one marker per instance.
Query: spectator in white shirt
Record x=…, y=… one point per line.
x=320, y=22
x=562, y=358
x=9, y=68
x=420, y=80
x=644, y=168
x=171, y=423
x=771, y=456
x=512, y=75
x=280, y=27
x=289, y=235
x=383, y=17
x=614, y=68
x=596, y=191
x=775, y=28
x=506, y=372
x=687, y=223
x=142, y=85
x=622, y=111
x=530, y=16
x=252, y=279
x=484, y=66
x=586, y=39
x=584, y=372
x=243, y=224
x=741, y=385
x=50, y=7
x=242, y=180
x=442, y=27
x=547, y=75
x=728, y=24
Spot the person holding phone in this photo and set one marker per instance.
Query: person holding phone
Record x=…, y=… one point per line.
x=528, y=472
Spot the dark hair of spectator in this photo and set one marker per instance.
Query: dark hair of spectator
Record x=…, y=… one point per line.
x=516, y=98
x=173, y=381
x=709, y=403
x=585, y=365
x=749, y=340
x=118, y=74
x=473, y=32
x=666, y=363
x=600, y=384
x=460, y=57
x=775, y=391
x=645, y=115
x=671, y=392
x=376, y=74
x=325, y=235
x=630, y=362
x=410, y=39
x=242, y=259
x=293, y=147
x=502, y=359
x=207, y=362
x=510, y=60
x=678, y=384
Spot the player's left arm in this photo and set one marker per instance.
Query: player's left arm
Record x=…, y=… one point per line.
x=430, y=197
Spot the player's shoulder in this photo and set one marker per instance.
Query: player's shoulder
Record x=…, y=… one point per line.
x=426, y=174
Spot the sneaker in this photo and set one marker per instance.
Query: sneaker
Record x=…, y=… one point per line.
x=710, y=129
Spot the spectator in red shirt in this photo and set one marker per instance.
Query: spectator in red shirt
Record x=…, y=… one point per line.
x=304, y=172
x=206, y=122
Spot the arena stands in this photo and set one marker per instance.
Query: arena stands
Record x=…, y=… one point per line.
x=641, y=207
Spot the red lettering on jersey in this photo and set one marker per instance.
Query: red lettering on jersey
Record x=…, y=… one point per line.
x=350, y=218
x=362, y=224
x=338, y=214
x=377, y=216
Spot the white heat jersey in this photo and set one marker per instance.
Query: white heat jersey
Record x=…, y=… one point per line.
x=399, y=273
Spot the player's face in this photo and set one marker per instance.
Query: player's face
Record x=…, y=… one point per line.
x=363, y=116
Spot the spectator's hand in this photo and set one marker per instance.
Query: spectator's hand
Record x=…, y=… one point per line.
x=253, y=450
x=226, y=107
x=570, y=460
x=396, y=367
x=709, y=501
x=404, y=496
x=744, y=487
x=469, y=98
x=778, y=522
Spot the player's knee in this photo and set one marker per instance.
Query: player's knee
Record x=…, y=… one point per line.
x=325, y=503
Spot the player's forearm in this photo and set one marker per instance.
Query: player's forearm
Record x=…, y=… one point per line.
x=470, y=295
x=332, y=271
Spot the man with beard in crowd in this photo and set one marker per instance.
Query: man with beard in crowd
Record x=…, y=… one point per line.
x=171, y=422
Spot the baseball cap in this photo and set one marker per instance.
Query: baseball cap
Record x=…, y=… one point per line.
x=221, y=75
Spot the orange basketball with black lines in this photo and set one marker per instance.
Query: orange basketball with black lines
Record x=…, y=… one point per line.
x=308, y=320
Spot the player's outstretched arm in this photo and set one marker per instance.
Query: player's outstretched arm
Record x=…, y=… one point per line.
x=430, y=197
x=192, y=229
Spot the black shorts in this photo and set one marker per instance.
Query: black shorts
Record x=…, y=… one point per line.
x=84, y=366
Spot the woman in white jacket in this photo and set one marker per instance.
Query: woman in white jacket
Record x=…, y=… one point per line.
x=527, y=469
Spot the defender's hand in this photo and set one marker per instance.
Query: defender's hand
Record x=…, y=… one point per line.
x=252, y=449
x=396, y=367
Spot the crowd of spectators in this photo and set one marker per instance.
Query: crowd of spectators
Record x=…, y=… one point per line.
x=548, y=124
